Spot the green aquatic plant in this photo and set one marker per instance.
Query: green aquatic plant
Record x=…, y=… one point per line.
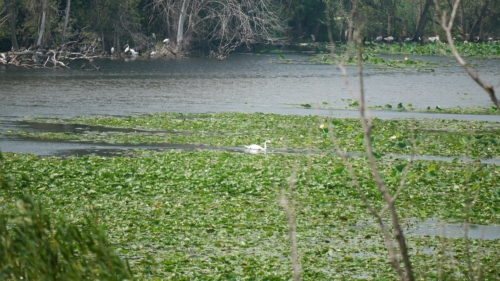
x=209, y=214
x=212, y=214
x=432, y=136
x=483, y=110
x=440, y=49
x=376, y=61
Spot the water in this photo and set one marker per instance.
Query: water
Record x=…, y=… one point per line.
x=244, y=82
x=433, y=227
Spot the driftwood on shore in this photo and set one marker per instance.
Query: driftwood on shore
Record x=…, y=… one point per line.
x=43, y=58
x=62, y=56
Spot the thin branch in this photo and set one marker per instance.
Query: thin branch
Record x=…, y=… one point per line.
x=400, y=188
x=387, y=238
x=367, y=127
x=447, y=27
x=292, y=231
x=367, y=124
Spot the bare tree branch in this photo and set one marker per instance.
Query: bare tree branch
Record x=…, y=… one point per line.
x=287, y=205
x=447, y=25
x=367, y=125
x=230, y=23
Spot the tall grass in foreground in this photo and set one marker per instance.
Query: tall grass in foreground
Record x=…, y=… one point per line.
x=35, y=246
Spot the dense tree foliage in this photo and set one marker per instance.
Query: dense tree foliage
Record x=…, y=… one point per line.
x=223, y=25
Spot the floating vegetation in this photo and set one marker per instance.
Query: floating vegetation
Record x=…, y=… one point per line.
x=212, y=214
x=372, y=50
x=480, y=110
x=438, y=49
x=376, y=61
x=479, y=50
x=450, y=138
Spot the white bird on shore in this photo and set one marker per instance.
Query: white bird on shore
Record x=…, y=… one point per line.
x=127, y=49
x=166, y=41
x=152, y=53
x=133, y=52
x=434, y=39
x=2, y=55
x=112, y=50
x=407, y=39
x=379, y=38
x=258, y=147
x=389, y=39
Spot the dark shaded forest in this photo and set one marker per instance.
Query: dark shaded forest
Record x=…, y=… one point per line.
x=222, y=26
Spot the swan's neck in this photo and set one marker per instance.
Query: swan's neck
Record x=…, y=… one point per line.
x=265, y=145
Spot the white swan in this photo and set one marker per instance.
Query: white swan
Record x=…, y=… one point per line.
x=258, y=147
x=127, y=49
x=112, y=50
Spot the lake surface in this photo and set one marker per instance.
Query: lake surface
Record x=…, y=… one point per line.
x=239, y=83
x=242, y=82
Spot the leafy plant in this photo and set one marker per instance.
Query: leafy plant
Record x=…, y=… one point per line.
x=35, y=246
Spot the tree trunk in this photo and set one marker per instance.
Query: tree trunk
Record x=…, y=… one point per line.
x=481, y=31
x=68, y=4
x=118, y=48
x=462, y=20
x=421, y=21
x=298, y=26
x=12, y=20
x=180, y=29
x=316, y=30
x=477, y=24
x=404, y=29
x=98, y=12
x=389, y=26
x=42, y=24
